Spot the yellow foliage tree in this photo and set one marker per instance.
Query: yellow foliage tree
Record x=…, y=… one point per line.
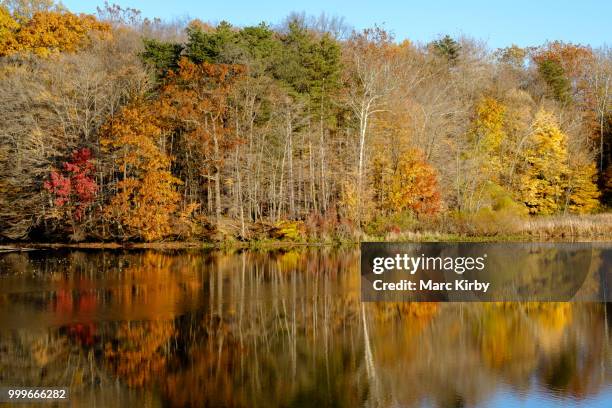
x=23, y=10
x=487, y=185
x=543, y=181
x=146, y=197
x=8, y=27
x=7, y=23
x=48, y=32
x=348, y=200
x=487, y=134
x=550, y=181
x=583, y=192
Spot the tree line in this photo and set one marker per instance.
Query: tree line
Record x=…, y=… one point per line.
x=118, y=127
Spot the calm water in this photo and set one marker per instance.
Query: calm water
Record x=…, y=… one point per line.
x=284, y=328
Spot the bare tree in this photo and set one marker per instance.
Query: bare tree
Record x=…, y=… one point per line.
x=371, y=60
x=600, y=84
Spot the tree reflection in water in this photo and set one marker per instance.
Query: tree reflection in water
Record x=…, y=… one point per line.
x=279, y=328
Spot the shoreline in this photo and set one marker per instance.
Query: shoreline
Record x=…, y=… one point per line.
x=572, y=228
x=178, y=245
x=279, y=244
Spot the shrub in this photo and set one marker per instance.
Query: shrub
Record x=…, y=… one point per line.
x=382, y=225
x=289, y=230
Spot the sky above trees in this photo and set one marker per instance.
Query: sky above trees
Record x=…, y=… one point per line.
x=522, y=22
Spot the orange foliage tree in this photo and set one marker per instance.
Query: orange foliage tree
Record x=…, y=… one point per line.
x=146, y=197
x=48, y=32
x=565, y=67
x=408, y=184
x=574, y=59
x=401, y=178
x=195, y=102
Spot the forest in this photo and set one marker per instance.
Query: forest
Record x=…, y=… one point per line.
x=115, y=127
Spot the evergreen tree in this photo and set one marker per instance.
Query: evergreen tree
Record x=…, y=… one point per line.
x=161, y=55
x=308, y=65
x=554, y=75
x=448, y=48
x=211, y=47
x=261, y=47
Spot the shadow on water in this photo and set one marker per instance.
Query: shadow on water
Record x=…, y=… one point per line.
x=281, y=328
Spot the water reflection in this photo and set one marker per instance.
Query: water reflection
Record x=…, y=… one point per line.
x=282, y=328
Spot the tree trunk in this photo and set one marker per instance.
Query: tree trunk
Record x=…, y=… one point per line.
x=290, y=180
x=363, y=124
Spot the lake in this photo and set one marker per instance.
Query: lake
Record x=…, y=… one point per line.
x=281, y=328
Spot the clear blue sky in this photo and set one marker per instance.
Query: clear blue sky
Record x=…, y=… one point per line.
x=500, y=22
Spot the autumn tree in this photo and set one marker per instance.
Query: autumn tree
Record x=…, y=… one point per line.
x=513, y=56
x=145, y=196
x=564, y=68
x=51, y=107
x=487, y=135
x=8, y=27
x=24, y=10
x=408, y=184
x=543, y=182
x=485, y=160
x=51, y=32
x=600, y=97
x=573, y=58
x=370, y=60
x=583, y=194
x=195, y=102
x=73, y=188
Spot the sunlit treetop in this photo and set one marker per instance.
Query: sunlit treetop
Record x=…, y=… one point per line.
x=47, y=32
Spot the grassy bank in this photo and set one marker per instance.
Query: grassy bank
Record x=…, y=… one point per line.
x=596, y=227
x=554, y=228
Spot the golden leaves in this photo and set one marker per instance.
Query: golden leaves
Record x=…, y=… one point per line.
x=544, y=178
x=48, y=33
x=584, y=195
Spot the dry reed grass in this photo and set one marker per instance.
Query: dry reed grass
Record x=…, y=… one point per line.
x=578, y=226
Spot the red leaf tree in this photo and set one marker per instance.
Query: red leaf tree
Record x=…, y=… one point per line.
x=74, y=187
